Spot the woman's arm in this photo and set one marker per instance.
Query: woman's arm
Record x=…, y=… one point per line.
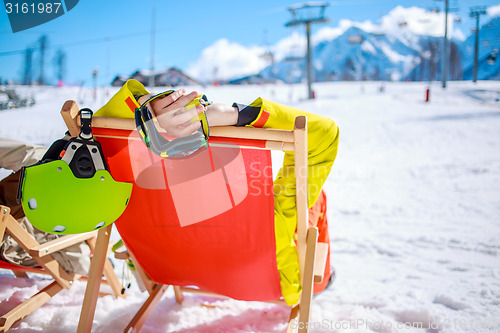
x=222, y=115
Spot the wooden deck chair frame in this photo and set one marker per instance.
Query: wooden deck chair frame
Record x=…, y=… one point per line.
x=312, y=255
x=41, y=253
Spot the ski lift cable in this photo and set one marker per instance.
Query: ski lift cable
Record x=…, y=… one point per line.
x=79, y=43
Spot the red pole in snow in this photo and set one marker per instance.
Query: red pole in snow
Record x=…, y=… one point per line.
x=427, y=94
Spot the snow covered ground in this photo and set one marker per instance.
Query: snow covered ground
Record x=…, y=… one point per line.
x=414, y=213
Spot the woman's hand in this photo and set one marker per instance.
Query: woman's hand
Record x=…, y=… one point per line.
x=221, y=115
x=172, y=115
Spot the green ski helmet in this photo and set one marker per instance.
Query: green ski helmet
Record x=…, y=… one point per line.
x=70, y=191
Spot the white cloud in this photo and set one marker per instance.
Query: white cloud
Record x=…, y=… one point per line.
x=368, y=26
x=494, y=11
x=225, y=60
x=327, y=34
x=398, y=22
x=293, y=45
x=330, y=33
x=418, y=21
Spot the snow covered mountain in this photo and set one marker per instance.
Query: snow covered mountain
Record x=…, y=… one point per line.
x=394, y=54
x=360, y=55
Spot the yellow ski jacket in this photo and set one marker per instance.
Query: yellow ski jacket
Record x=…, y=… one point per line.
x=323, y=139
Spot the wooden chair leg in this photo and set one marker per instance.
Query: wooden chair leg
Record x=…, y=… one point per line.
x=20, y=274
x=95, y=277
x=28, y=306
x=142, y=315
x=146, y=281
x=179, y=295
x=28, y=242
x=307, y=282
x=111, y=278
x=292, y=321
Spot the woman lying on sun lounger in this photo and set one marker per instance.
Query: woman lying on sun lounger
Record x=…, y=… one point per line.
x=173, y=115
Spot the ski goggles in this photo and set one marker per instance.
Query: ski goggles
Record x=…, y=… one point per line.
x=181, y=147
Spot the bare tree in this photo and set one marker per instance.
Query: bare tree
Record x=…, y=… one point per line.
x=456, y=71
x=376, y=73
x=348, y=71
x=60, y=64
x=28, y=69
x=43, y=47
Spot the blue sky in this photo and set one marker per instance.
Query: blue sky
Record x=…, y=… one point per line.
x=115, y=34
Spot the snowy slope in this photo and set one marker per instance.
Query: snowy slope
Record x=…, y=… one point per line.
x=414, y=213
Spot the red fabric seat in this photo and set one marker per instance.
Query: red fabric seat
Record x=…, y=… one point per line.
x=8, y=265
x=232, y=250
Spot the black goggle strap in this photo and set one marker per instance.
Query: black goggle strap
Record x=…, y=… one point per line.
x=86, y=121
x=160, y=95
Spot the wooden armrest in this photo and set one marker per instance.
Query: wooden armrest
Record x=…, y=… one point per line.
x=320, y=262
x=60, y=243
